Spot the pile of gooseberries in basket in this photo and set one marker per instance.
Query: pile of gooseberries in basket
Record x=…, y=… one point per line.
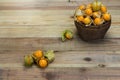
x=94, y=13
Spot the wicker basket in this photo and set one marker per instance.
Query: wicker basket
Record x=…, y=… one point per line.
x=89, y=33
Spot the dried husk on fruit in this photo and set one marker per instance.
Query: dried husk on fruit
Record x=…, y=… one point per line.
x=96, y=14
x=28, y=60
x=96, y=5
x=66, y=34
x=50, y=55
x=78, y=12
x=63, y=36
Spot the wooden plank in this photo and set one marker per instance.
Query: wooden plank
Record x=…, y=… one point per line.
x=57, y=45
x=39, y=24
x=47, y=31
x=23, y=29
x=14, y=58
x=33, y=0
x=38, y=17
x=60, y=74
x=41, y=13
x=32, y=31
x=52, y=4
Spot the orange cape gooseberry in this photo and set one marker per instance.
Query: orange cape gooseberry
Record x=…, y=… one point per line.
x=43, y=63
x=103, y=9
x=106, y=17
x=82, y=7
x=96, y=14
x=88, y=11
x=87, y=20
x=97, y=21
x=80, y=18
x=69, y=35
x=38, y=54
x=89, y=6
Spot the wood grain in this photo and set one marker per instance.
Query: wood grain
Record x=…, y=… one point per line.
x=47, y=31
x=29, y=25
x=57, y=45
x=74, y=59
x=61, y=18
x=51, y=4
x=61, y=73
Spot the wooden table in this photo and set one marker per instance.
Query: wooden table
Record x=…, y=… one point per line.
x=29, y=25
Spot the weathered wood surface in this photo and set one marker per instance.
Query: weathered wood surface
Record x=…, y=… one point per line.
x=29, y=25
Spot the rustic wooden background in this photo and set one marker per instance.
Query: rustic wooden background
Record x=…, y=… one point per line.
x=29, y=25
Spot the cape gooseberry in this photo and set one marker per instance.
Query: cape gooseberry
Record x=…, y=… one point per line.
x=106, y=16
x=88, y=11
x=43, y=63
x=103, y=9
x=97, y=21
x=89, y=6
x=80, y=18
x=87, y=20
x=28, y=60
x=96, y=5
x=82, y=7
x=37, y=54
x=96, y=14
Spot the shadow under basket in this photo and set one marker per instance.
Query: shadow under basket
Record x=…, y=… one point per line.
x=90, y=33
